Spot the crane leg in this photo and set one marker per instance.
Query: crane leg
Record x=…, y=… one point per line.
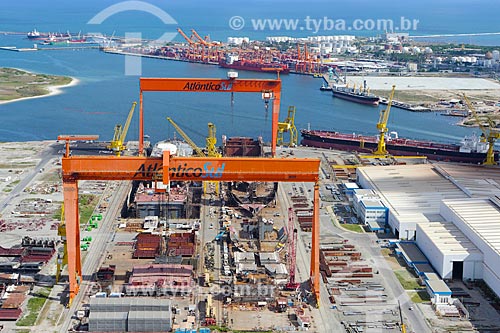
x=276, y=111
x=141, y=125
x=315, y=247
x=72, y=236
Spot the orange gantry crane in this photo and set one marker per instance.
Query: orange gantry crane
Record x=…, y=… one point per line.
x=209, y=52
x=307, y=63
x=269, y=88
x=193, y=51
x=171, y=168
x=167, y=168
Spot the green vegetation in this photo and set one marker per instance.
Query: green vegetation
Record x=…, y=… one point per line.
x=51, y=177
x=14, y=165
x=419, y=296
x=352, y=227
x=407, y=280
x=218, y=328
x=57, y=214
x=15, y=83
x=87, y=202
x=35, y=304
x=9, y=187
x=386, y=252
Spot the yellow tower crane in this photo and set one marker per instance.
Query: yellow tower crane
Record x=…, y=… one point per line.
x=490, y=132
x=197, y=150
x=212, y=152
x=211, y=142
x=121, y=132
x=288, y=125
x=382, y=125
x=211, y=148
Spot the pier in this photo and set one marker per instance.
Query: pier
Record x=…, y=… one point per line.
x=31, y=49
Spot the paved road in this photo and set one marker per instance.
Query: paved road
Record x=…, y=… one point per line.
x=324, y=321
x=415, y=319
x=97, y=250
x=366, y=242
x=207, y=234
x=46, y=155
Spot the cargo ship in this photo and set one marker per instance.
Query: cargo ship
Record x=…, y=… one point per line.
x=233, y=62
x=470, y=150
x=35, y=34
x=362, y=96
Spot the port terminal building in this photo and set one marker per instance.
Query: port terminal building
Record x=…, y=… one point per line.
x=451, y=212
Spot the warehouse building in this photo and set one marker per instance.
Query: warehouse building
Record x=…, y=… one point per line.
x=410, y=192
x=479, y=219
x=438, y=291
x=451, y=211
x=449, y=251
x=370, y=210
x=130, y=314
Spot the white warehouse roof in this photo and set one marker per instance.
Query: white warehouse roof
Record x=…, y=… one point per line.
x=482, y=216
x=448, y=238
x=407, y=189
x=476, y=181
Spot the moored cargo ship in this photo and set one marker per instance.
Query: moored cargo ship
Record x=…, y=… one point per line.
x=35, y=34
x=362, y=96
x=470, y=150
x=233, y=62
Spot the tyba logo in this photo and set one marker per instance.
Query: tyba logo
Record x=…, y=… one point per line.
x=133, y=64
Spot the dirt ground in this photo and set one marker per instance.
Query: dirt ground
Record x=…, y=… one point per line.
x=253, y=318
x=428, y=97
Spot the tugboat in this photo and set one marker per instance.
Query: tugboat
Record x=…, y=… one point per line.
x=325, y=88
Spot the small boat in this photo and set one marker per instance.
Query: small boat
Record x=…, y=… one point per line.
x=325, y=88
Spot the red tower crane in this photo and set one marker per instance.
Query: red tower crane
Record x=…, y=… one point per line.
x=292, y=251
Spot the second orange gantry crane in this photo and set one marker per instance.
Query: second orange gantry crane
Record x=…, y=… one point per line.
x=167, y=168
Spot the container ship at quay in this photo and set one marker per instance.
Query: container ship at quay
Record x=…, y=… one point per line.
x=470, y=150
x=362, y=96
x=233, y=62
